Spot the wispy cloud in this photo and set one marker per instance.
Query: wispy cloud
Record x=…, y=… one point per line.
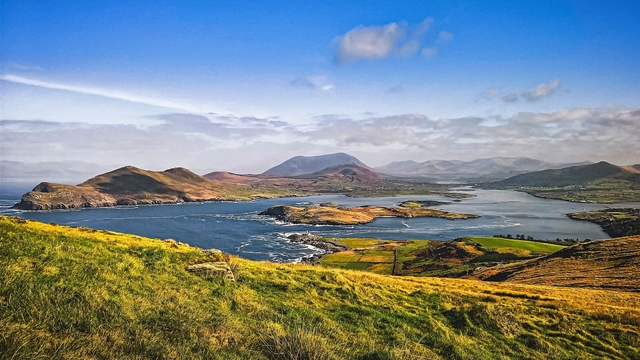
x=444, y=37
x=316, y=82
x=391, y=40
x=429, y=52
x=89, y=90
x=23, y=67
x=541, y=91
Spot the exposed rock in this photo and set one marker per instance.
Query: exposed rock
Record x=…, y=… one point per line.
x=328, y=247
x=216, y=268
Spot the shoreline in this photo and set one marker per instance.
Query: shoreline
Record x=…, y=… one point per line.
x=328, y=247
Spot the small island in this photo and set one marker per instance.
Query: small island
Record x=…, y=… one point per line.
x=324, y=215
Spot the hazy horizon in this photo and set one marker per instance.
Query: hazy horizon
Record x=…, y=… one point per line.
x=242, y=88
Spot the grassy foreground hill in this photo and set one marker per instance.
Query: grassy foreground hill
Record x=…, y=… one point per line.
x=75, y=293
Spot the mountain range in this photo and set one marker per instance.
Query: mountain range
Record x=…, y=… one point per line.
x=485, y=169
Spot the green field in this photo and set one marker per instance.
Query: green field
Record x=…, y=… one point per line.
x=533, y=246
x=74, y=293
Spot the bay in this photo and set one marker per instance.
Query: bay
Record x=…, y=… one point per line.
x=236, y=227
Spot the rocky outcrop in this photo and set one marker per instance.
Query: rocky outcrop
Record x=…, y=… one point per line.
x=327, y=246
x=51, y=196
x=216, y=268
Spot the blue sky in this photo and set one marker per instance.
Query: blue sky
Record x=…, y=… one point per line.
x=212, y=84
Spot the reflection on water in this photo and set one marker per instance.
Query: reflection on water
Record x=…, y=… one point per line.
x=238, y=229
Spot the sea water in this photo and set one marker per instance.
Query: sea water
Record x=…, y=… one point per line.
x=236, y=227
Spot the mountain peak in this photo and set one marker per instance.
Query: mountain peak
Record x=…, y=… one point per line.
x=300, y=165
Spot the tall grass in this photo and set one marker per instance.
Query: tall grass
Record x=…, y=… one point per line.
x=68, y=293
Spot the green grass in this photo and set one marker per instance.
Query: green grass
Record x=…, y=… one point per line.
x=68, y=293
x=534, y=246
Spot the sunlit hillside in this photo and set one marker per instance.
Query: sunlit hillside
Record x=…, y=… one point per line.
x=81, y=293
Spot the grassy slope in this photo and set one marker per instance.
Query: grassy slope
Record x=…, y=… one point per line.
x=604, y=264
x=432, y=258
x=534, y=246
x=354, y=215
x=599, y=183
x=79, y=293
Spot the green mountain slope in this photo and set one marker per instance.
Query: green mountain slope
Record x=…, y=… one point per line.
x=575, y=175
x=601, y=182
x=79, y=293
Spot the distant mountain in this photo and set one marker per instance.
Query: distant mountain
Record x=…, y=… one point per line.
x=632, y=168
x=397, y=167
x=310, y=164
x=353, y=173
x=574, y=175
x=489, y=168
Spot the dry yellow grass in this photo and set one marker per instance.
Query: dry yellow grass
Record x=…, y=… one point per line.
x=605, y=264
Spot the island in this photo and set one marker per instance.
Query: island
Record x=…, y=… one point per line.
x=325, y=215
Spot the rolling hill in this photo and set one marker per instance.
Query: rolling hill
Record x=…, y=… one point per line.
x=78, y=293
x=352, y=173
x=574, y=175
x=130, y=186
x=300, y=165
x=601, y=183
x=602, y=264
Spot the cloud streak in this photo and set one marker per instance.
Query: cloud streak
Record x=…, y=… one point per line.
x=539, y=92
x=89, y=90
x=315, y=82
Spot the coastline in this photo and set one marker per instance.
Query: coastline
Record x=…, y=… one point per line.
x=327, y=246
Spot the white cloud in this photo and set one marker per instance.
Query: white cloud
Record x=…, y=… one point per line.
x=444, y=37
x=393, y=39
x=423, y=27
x=368, y=42
x=24, y=67
x=510, y=97
x=195, y=141
x=541, y=91
x=574, y=134
x=429, y=52
x=89, y=90
x=316, y=82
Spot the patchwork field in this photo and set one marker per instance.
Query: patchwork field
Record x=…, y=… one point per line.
x=433, y=258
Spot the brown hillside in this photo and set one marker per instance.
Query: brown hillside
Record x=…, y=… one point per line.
x=227, y=176
x=605, y=264
x=351, y=173
x=634, y=169
x=129, y=186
